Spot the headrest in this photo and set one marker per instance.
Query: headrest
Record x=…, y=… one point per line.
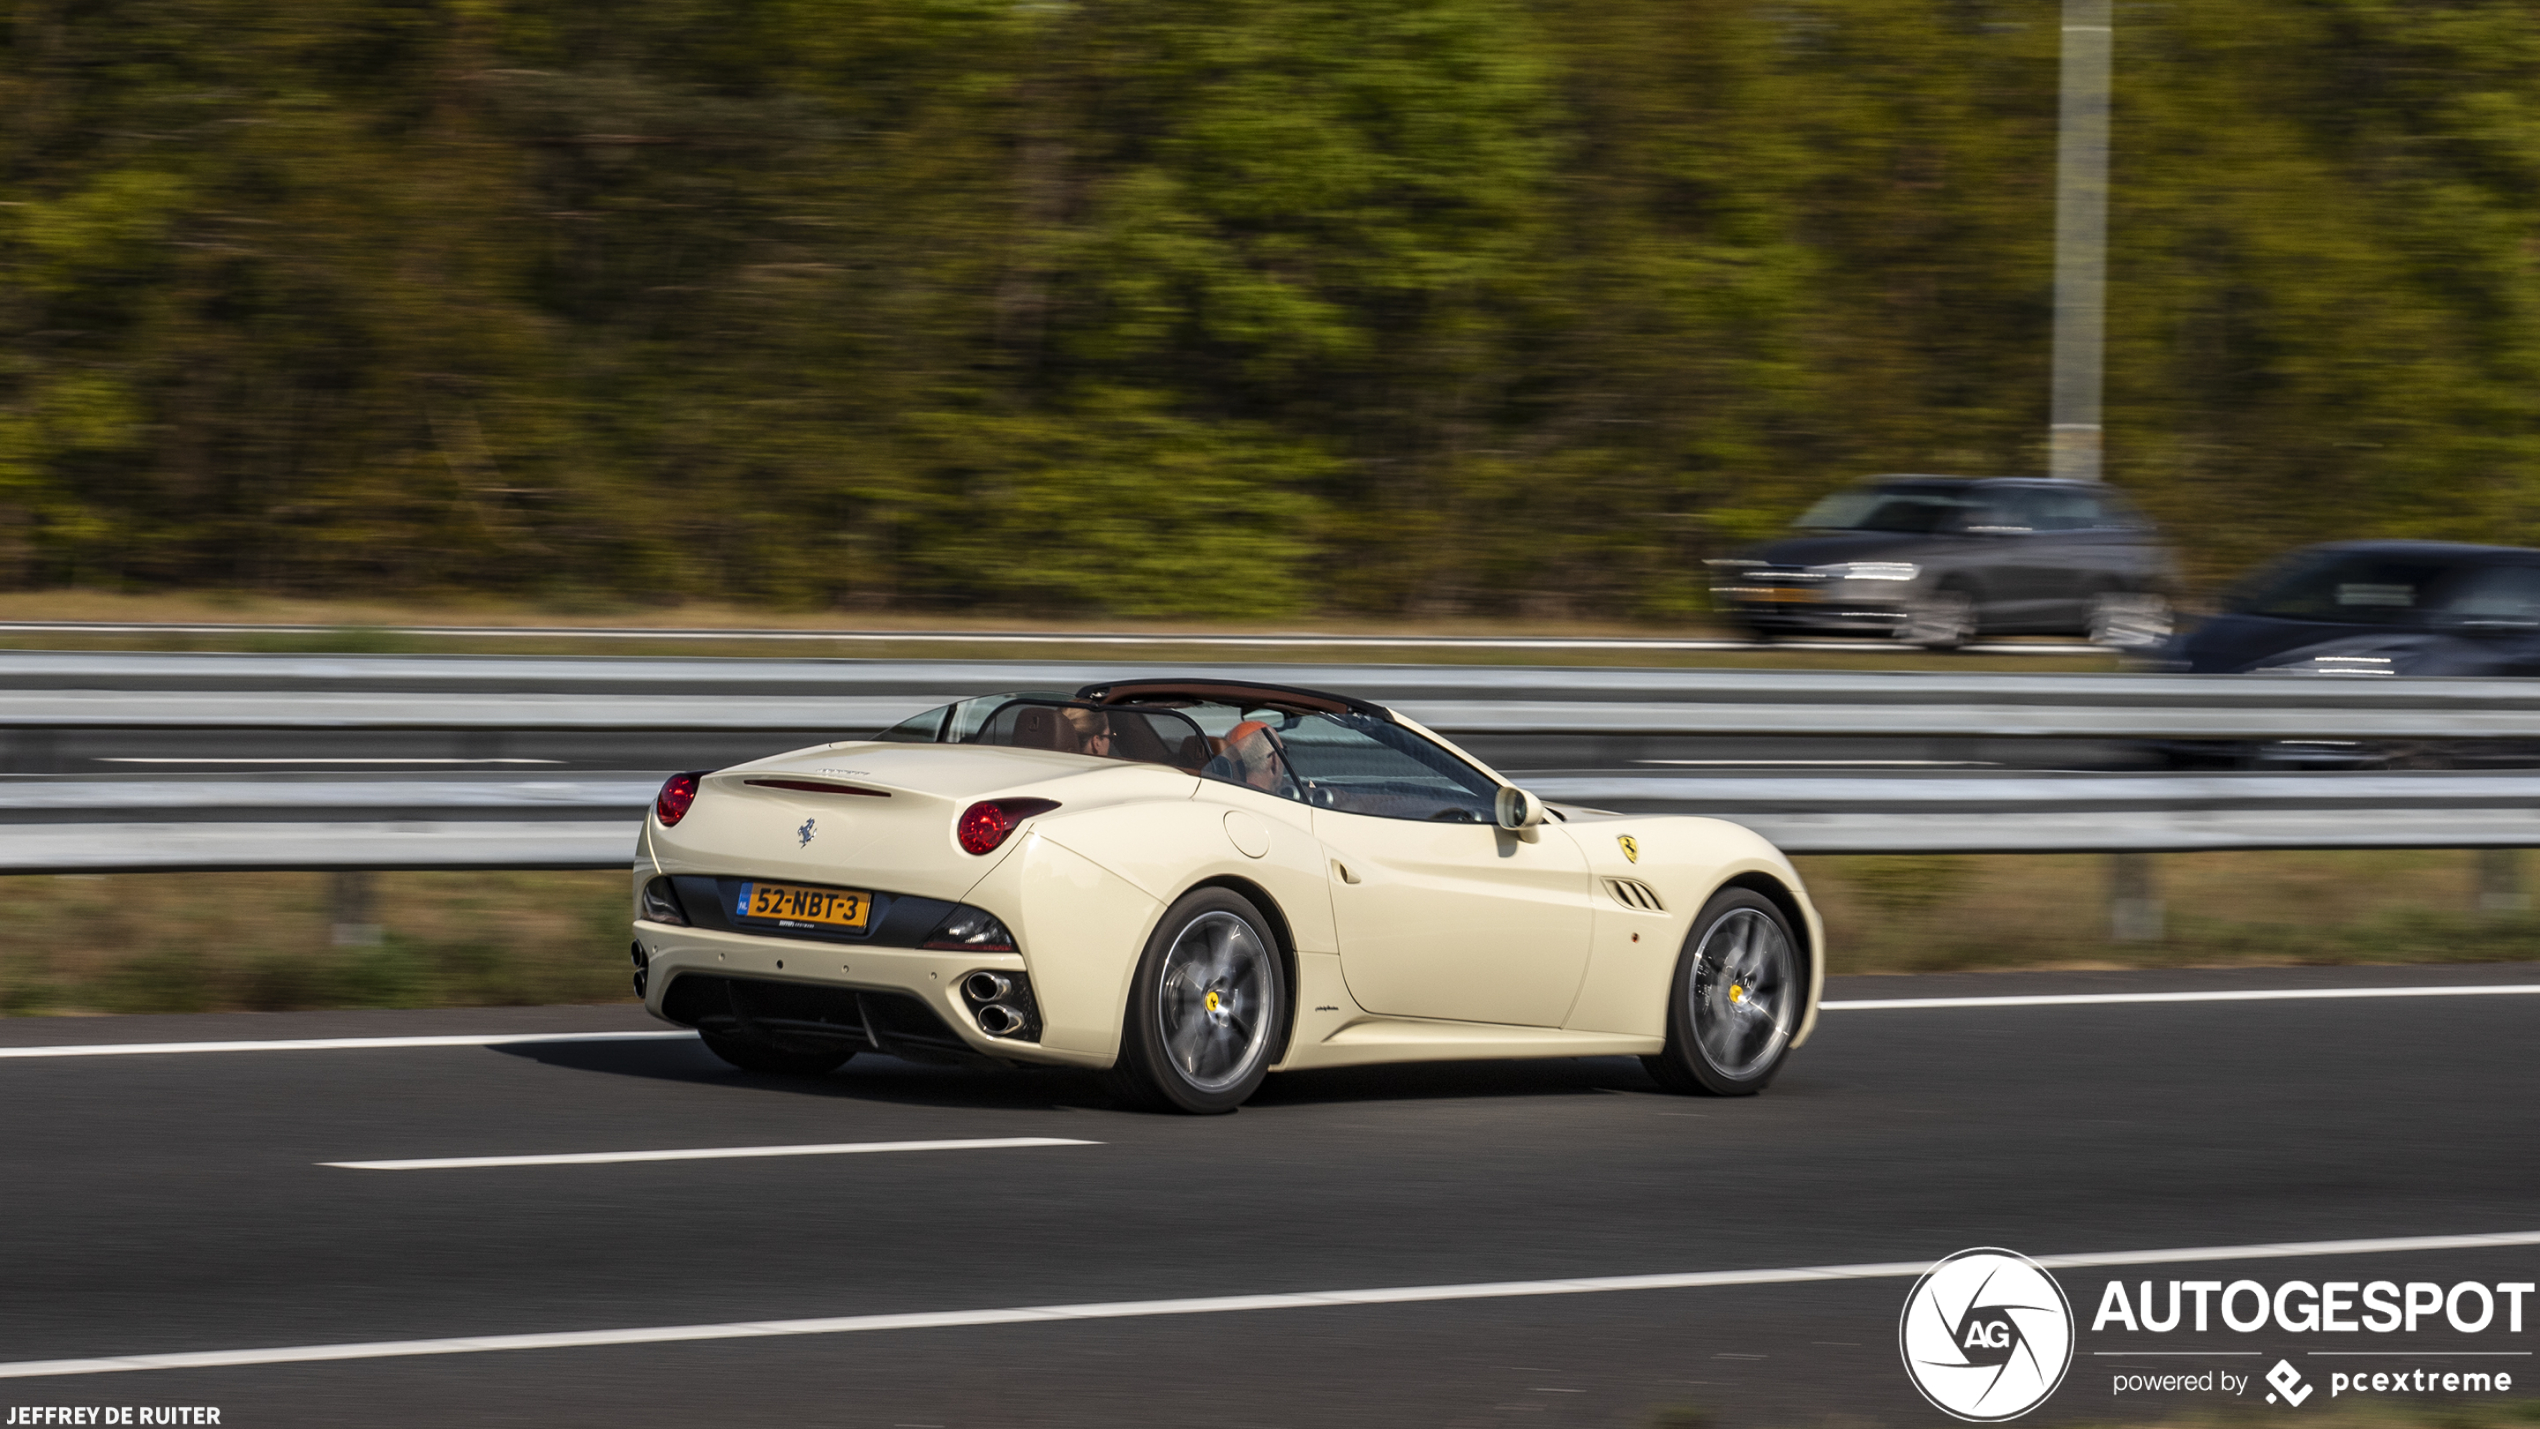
x=1036, y=727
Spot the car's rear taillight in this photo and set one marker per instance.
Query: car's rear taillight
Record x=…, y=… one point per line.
x=985, y=825
x=677, y=793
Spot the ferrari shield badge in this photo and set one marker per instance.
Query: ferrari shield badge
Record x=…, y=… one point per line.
x=1631, y=846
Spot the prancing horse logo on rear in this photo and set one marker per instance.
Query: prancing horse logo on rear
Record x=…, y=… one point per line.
x=804, y=833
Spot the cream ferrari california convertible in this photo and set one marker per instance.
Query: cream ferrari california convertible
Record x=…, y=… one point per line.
x=1193, y=883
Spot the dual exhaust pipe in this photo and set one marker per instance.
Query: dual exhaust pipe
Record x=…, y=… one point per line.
x=1001, y=1003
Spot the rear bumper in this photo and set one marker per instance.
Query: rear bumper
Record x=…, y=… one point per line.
x=829, y=996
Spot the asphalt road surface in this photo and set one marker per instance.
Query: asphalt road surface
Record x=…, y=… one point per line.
x=180, y=1201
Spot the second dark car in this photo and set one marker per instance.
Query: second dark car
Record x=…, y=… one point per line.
x=2376, y=608
x=1937, y=561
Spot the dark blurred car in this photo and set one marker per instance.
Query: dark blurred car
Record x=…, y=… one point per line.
x=2368, y=608
x=1938, y=560
x=2376, y=608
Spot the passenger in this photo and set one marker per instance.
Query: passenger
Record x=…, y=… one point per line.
x=1091, y=730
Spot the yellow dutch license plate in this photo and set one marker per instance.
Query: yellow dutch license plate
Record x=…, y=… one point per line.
x=793, y=903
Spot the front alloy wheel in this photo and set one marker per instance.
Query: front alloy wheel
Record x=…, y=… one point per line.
x=1206, y=1008
x=2130, y=620
x=1939, y=620
x=1737, y=998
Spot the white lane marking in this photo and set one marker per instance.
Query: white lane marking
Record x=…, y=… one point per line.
x=334, y=1044
x=1888, y=1004
x=1208, y=1305
x=705, y=1153
x=1825, y=763
x=2087, y=999
x=171, y=759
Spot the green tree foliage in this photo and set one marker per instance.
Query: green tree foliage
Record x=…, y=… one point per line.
x=1265, y=307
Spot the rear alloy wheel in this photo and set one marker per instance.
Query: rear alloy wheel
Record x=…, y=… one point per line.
x=1736, y=999
x=1206, y=1008
x=1939, y=620
x=2130, y=619
x=751, y=1055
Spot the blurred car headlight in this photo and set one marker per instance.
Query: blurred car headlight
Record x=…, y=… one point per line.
x=2335, y=665
x=1868, y=571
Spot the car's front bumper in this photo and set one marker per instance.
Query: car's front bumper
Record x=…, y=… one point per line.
x=1826, y=610
x=805, y=994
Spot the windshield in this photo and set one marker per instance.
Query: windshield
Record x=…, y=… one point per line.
x=1909, y=512
x=2390, y=588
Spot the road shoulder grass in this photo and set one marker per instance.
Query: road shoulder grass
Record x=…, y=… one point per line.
x=212, y=942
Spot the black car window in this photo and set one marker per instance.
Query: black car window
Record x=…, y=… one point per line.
x=1912, y=513
x=2052, y=510
x=1140, y=736
x=1360, y=764
x=2348, y=588
x=2117, y=513
x=2001, y=513
x=916, y=729
x=2501, y=595
x=1034, y=720
x=1352, y=763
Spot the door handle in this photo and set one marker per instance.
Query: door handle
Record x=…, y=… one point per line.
x=1343, y=870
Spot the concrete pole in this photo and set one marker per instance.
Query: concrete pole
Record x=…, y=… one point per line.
x=2134, y=898
x=350, y=905
x=2081, y=240
x=2500, y=882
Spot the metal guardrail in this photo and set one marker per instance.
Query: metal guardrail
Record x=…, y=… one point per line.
x=50, y=824
x=1136, y=639
x=91, y=826
x=830, y=698
x=2091, y=813
x=216, y=825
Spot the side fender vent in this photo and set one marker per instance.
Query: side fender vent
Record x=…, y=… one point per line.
x=1632, y=893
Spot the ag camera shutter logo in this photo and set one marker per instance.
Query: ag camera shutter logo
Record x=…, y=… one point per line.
x=1987, y=1335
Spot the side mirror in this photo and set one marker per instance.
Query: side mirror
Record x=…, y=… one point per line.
x=1518, y=812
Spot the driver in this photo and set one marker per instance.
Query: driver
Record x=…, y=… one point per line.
x=1251, y=757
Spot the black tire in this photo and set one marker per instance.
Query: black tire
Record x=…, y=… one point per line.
x=1208, y=1008
x=754, y=1056
x=1735, y=1001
